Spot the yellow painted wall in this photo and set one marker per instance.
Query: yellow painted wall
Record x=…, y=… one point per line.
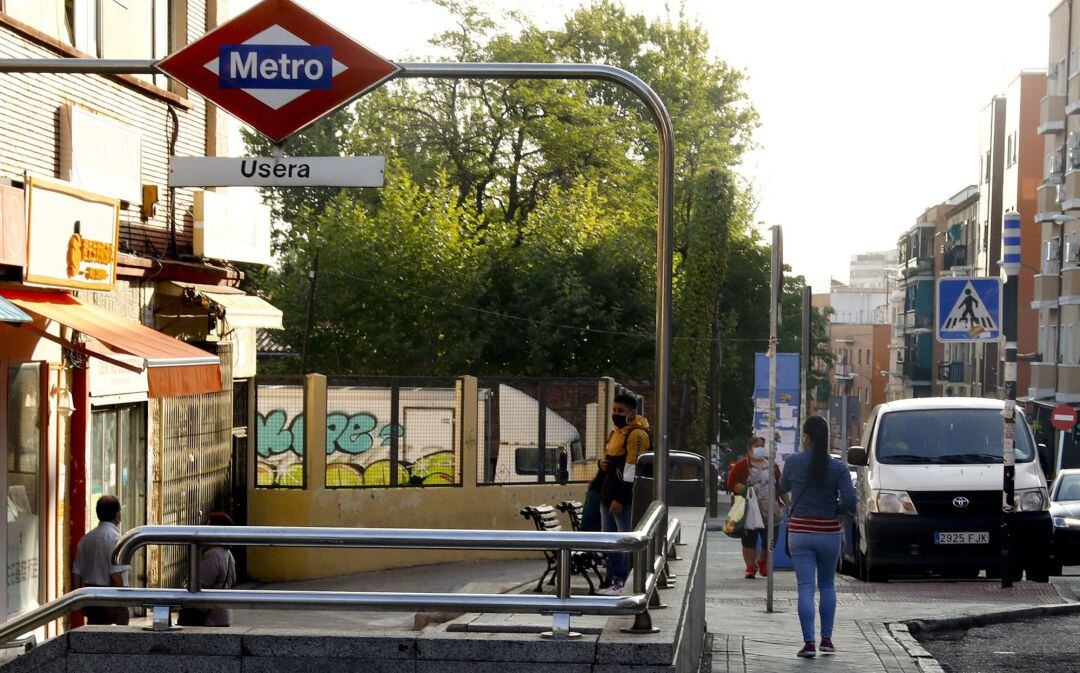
x=483, y=507
x=466, y=506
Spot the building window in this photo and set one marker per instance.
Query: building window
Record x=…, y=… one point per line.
x=1009, y=151
x=986, y=168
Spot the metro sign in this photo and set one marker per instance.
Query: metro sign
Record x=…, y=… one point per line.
x=278, y=67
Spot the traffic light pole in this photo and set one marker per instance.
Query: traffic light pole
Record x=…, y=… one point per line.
x=1010, y=266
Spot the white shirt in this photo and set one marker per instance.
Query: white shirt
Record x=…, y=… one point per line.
x=93, y=559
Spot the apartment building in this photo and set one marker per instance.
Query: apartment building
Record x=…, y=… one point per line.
x=870, y=270
x=127, y=373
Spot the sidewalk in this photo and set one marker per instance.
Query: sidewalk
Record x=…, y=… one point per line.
x=749, y=640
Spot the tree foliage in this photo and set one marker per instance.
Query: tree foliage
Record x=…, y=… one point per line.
x=516, y=233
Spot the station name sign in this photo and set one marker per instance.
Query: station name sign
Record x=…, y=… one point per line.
x=277, y=172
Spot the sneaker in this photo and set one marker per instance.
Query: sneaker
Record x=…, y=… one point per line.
x=827, y=646
x=763, y=569
x=751, y=572
x=807, y=651
x=614, y=590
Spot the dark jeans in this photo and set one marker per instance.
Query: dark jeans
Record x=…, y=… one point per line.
x=102, y=615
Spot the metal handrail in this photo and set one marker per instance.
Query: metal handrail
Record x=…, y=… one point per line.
x=392, y=538
x=648, y=572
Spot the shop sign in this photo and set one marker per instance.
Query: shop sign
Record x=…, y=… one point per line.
x=100, y=154
x=71, y=236
x=233, y=225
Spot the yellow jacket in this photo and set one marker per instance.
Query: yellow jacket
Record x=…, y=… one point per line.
x=625, y=441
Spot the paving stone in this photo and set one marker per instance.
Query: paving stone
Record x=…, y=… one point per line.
x=314, y=643
x=151, y=663
x=134, y=640
x=504, y=647
x=325, y=665
x=502, y=667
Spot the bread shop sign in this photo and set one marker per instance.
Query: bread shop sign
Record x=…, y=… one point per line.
x=71, y=236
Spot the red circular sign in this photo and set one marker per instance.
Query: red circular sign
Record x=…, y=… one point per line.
x=1063, y=417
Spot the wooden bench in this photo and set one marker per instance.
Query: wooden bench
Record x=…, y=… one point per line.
x=545, y=518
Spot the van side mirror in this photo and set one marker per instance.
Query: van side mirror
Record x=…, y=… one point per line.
x=856, y=456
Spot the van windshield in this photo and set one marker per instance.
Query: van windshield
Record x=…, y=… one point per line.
x=954, y=436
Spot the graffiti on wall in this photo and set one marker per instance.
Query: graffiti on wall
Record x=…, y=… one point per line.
x=358, y=450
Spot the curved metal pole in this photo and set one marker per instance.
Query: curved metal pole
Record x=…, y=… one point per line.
x=665, y=190
x=665, y=203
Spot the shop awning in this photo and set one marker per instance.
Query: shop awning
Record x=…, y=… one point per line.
x=239, y=309
x=12, y=314
x=173, y=368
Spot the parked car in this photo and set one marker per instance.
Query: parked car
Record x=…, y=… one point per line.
x=930, y=489
x=1065, y=511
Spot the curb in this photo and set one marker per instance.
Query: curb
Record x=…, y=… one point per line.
x=922, y=658
x=964, y=622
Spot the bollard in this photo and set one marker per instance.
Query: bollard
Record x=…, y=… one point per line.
x=560, y=621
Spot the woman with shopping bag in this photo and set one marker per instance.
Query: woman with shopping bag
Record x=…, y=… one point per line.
x=749, y=478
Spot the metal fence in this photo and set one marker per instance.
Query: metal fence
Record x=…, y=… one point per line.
x=517, y=416
x=279, y=432
x=391, y=432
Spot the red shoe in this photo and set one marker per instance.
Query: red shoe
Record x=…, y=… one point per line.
x=763, y=569
x=751, y=572
x=827, y=646
x=807, y=651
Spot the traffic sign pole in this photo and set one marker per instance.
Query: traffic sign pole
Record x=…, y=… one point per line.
x=1063, y=418
x=1010, y=265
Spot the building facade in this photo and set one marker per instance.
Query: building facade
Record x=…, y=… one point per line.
x=873, y=270
x=127, y=374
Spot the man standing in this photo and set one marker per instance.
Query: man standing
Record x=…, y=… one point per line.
x=627, y=441
x=93, y=565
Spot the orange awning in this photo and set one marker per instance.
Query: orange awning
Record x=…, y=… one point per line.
x=173, y=368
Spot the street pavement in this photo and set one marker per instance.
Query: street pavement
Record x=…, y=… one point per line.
x=1043, y=644
x=747, y=639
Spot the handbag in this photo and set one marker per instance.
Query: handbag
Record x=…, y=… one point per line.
x=736, y=518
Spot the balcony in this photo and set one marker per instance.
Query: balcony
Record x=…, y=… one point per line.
x=914, y=320
x=1043, y=380
x=1068, y=384
x=1070, y=282
x=1051, y=115
x=915, y=372
x=1069, y=192
x=950, y=372
x=1046, y=291
x=954, y=256
x=917, y=266
x=1048, y=206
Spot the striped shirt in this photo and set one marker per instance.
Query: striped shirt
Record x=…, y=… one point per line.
x=813, y=524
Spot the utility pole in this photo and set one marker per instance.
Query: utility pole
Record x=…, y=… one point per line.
x=776, y=292
x=313, y=278
x=807, y=314
x=716, y=359
x=1010, y=266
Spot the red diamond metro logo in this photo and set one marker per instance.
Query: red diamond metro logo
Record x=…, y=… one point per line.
x=278, y=67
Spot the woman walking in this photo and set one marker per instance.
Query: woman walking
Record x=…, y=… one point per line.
x=821, y=490
x=752, y=471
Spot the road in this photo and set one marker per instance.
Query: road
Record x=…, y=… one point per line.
x=1044, y=644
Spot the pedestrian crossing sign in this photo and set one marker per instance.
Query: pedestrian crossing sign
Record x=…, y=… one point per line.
x=968, y=310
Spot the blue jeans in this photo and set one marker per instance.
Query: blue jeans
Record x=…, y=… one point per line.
x=814, y=556
x=618, y=565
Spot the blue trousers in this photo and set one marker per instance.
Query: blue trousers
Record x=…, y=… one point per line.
x=618, y=565
x=814, y=556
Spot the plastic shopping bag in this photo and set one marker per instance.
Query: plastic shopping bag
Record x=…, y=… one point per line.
x=753, y=519
x=736, y=517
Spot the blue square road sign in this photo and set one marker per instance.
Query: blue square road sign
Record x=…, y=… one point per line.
x=968, y=310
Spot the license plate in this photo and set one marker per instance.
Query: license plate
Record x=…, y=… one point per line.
x=962, y=538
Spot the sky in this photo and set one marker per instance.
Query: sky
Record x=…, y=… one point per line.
x=868, y=109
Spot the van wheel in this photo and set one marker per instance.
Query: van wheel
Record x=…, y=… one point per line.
x=876, y=573
x=1040, y=572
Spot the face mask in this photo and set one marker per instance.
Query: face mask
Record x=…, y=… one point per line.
x=619, y=420
x=759, y=452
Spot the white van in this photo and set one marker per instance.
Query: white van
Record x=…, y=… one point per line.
x=930, y=493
